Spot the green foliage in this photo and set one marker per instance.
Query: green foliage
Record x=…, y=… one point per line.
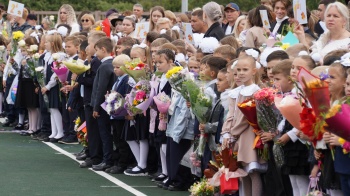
x=122, y=5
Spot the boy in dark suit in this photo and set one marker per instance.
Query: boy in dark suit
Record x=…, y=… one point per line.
x=103, y=82
x=122, y=152
x=86, y=80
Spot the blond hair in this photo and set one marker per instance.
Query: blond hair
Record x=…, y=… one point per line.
x=71, y=18
x=120, y=59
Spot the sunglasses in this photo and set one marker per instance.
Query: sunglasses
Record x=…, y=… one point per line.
x=63, y=12
x=86, y=20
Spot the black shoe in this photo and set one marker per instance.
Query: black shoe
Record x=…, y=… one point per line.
x=177, y=188
x=108, y=170
x=19, y=127
x=83, y=151
x=69, y=140
x=54, y=140
x=26, y=133
x=159, y=178
x=81, y=157
x=117, y=170
x=15, y=123
x=7, y=124
x=140, y=172
x=36, y=135
x=101, y=167
x=86, y=164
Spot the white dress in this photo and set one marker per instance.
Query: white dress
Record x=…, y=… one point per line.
x=324, y=45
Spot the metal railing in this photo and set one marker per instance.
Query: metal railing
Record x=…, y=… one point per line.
x=99, y=15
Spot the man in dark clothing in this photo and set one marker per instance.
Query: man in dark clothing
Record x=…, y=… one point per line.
x=232, y=12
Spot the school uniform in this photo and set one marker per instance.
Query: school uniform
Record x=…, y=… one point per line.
x=122, y=153
x=104, y=81
x=86, y=83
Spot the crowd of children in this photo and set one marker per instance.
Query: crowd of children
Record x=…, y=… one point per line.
x=230, y=73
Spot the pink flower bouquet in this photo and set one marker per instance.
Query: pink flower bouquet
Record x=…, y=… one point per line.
x=140, y=98
x=163, y=102
x=61, y=71
x=290, y=108
x=337, y=121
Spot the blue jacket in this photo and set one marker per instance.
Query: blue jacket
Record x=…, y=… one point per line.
x=181, y=124
x=123, y=88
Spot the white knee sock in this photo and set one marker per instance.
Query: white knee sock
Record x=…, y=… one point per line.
x=143, y=153
x=163, y=159
x=38, y=119
x=303, y=184
x=30, y=120
x=53, y=126
x=1, y=100
x=21, y=119
x=135, y=149
x=293, y=181
x=58, y=123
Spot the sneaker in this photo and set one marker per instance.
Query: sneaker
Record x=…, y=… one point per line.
x=136, y=171
x=68, y=140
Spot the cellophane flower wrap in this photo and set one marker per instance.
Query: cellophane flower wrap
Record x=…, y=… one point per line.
x=317, y=93
x=163, y=102
x=59, y=68
x=16, y=37
x=135, y=69
x=201, y=105
x=140, y=98
x=267, y=114
x=337, y=120
x=81, y=130
x=290, y=108
x=176, y=77
x=114, y=104
x=248, y=108
x=76, y=66
x=39, y=71
x=202, y=188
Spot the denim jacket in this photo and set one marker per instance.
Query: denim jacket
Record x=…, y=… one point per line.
x=181, y=125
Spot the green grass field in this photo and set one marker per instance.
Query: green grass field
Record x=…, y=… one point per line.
x=29, y=167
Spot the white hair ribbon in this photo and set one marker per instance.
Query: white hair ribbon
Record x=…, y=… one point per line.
x=303, y=52
x=344, y=60
x=142, y=45
x=234, y=64
x=253, y=53
x=163, y=31
x=63, y=31
x=35, y=35
x=176, y=28
x=51, y=32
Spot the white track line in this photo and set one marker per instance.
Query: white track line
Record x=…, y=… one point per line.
x=101, y=173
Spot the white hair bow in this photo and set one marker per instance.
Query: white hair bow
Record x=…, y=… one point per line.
x=209, y=44
x=37, y=27
x=234, y=64
x=253, y=53
x=142, y=45
x=62, y=30
x=176, y=28
x=303, y=52
x=51, y=32
x=35, y=35
x=344, y=60
x=163, y=31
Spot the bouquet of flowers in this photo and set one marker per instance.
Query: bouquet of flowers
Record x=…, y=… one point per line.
x=176, y=76
x=290, y=107
x=39, y=71
x=59, y=68
x=135, y=69
x=248, y=108
x=114, y=104
x=16, y=37
x=336, y=120
x=163, y=102
x=267, y=113
x=81, y=130
x=140, y=98
x=33, y=62
x=2, y=54
x=202, y=188
x=76, y=66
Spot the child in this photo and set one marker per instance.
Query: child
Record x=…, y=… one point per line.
x=71, y=47
x=104, y=81
x=124, y=43
x=53, y=45
x=122, y=150
x=3, y=44
x=337, y=80
x=86, y=81
x=142, y=52
x=247, y=156
x=164, y=62
x=304, y=61
x=193, y=66
x=272, y=59
x=155, y=46
x=227, y=52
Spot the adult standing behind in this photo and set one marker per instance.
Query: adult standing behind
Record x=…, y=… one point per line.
x=129, y=26
x=232, y=12
x=32, y=20
x=256, y=34
x=87, y=20
x=66, y=15
x=197, y=23
x=280, y=9
x=155, y=13
x=46, y=24
x=138, y=11
x=320, y=27
x=20, y=22
x=337, y=37
x=240, y=25
x=211, y=15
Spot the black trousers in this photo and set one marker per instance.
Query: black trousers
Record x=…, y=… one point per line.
x=122, y=153
x=68, y=118
x=93, y=135
x=12, y=113
x=104, y=129
x=174, y=153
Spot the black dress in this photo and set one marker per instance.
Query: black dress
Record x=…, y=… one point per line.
x=54, y=92
x=26, y=96
x=139, y=131
x=295, y=156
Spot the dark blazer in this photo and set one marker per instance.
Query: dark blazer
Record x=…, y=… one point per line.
x=224, y=27
x=123, y=87
x=216, y=31
x=318, y=29
x=103, y=82
x=88, y=79
x=279, y=31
